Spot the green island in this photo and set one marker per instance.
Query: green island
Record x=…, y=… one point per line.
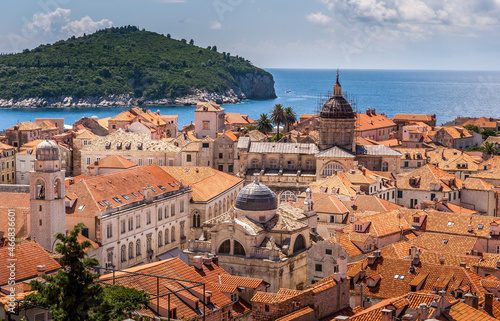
x=135, y=65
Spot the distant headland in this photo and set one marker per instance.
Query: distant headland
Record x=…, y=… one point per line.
x=126, y=66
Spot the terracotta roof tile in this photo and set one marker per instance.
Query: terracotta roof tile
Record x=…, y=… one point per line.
x=367, y=122
x=205, y=182
x=464, y=312
x=28, y=255
x=428, y=176
x=176, y=269
x=115, y=161
x=446, y=243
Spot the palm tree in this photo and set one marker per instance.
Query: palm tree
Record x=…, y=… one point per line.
x=278, y=117
x=264, y=124
x=290, y=117
x=489, y=148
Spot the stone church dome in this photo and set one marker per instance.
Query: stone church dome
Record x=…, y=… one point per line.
x=256, y=197
x=47, y=150
x=337, y=107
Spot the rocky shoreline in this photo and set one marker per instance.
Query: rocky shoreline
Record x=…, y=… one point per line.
x=123, y=100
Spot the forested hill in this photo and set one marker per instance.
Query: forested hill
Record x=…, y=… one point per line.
x=126, y=60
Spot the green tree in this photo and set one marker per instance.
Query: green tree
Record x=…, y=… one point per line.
x=191, y=42
x=490, y=149
x=473, y=128
x=290, y=118
x=264, y=124
x=72, y=294
x=487, y=133
x=278, y=116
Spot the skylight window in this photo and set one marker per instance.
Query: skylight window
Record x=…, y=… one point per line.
x=171, y=184
x=100, y=203
x=107, y=202
x=480, y=226
x=401, y=277
x=135, y=195
x=176, y=183
x=450, y=224
x=81, y=207
x=126, y=197
x=153, y=189
x=396, y=276
x=445, y=241
x=163, y=188
x=116, y=199
x=141, y=193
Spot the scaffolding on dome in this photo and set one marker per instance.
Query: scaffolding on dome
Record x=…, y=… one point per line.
x=337, y=113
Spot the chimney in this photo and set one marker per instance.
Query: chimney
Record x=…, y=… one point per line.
x=422, y=312
x=359, y=290
x=368, y=111
x=471, y=300
x=469, y=228
x=416, y=259
x=488, y=302
x=371, y=260
x=373, y=112
x=342, y=262
x=198, y=262
x=386, y=315
x=41, y=269
x=367, y=304
x=442, y=259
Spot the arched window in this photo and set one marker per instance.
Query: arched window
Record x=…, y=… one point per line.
x=385, y=166
x=138, y=248
x=286, y=196
x=160, y=239
x=110, y=257
x=238, y=248
x=255, y=163
x=123, y=254
x=57, y=189
x=166, y=236
x=331, y=168
x=172, y=234
x=40, y=189
x=196, y=220
x=130, y=250
x=273, y=164
x=225, y=247
x=300, y=244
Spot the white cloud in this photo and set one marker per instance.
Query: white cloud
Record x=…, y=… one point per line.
x=85, y=25
x=318, y=18
x=216, y=25
x=48, y=22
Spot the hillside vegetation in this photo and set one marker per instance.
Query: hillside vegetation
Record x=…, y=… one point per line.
x=126, y=60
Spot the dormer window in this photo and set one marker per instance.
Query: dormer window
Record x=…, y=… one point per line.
x=108, y=145
x=416, y=219
x=358, y=227
x=450, y=223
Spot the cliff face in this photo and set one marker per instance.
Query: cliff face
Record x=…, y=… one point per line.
x=253, y=86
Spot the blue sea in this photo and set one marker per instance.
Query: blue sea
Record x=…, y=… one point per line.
x=447, y=94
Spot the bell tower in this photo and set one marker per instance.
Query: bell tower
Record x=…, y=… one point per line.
x=47, y=194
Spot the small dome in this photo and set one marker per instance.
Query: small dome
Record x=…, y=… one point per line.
x=337, y=107
x=47, y=150
x=256, y=197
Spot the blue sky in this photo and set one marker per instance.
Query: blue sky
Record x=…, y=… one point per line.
x=372, y=34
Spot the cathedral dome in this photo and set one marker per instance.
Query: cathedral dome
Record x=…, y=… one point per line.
x=337, y=107
x=47, y=150
x=256, y=197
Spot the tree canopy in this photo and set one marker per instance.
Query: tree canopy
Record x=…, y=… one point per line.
x=72, y=293
x=122, y=60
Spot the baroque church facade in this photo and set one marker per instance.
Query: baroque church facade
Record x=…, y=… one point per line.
x=257, y=238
